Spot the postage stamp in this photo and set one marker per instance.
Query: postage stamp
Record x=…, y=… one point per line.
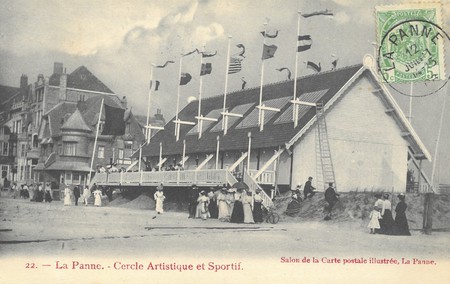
x=411, y=43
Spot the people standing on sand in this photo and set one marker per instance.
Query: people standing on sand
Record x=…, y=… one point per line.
x=224, y=214
x=401, y=227
x=374, y=223
x=76, y=194
x=294, y=205
x=97, y=197
x=230, y=200
x=212, y=207
x=159, y=198
x=247, y=205
x=40, y=193
x=67, y=196
x=386, y=214
x=237, y=215
x=202, y=206
x=86, y=195
x=308, y=190
x=257, y=206
x=331, y=197
x=192, y=197
x=48, y=194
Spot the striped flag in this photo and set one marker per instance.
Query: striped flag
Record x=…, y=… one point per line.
x=313, y=66
x=235, y=65
x=304, y=43
x=206, y=69
x=156, y=85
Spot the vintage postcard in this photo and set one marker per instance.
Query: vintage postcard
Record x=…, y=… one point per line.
x=223, y=141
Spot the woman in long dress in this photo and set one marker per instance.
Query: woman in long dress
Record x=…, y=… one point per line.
x=67, y=196
x=401, y=227
x=86, y=195
x=224, y=214
x=212, y=207
x=386, y=213
x=98, y=197
x=294, y=205
x=202, y=206
x=257, y=206
x=159, y=198
x=247, y=205
x=237, y=215
x=230, y=200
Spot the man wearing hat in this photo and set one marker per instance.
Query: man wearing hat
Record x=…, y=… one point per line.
x=192, y=198
x=331, y=197
x=308, y=191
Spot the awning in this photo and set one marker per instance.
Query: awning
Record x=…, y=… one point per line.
x=69, y=166
x=39, y=167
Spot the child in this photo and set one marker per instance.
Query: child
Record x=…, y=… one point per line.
x=374, y=222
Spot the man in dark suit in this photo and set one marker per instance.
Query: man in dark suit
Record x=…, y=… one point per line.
x=308, y=190
x=76, y=193
x=331, y=198
x=193, y=196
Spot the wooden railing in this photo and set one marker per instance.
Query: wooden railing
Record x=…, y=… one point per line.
x=267, y=177
x=253, y=185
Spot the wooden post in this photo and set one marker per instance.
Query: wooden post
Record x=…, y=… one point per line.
x=428, y=213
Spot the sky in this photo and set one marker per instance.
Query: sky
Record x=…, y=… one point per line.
x=120, y=40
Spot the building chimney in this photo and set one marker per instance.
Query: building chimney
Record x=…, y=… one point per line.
x=159, y=116
x=23, y=83
x=63, y=86
x=57, y=68
x=124, y=103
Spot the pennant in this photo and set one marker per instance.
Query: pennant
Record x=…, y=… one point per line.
x=114, y=123
x=268, y=51
x=285, y=68
x=242, y=51
x=265, y=34
x=156, y=85
x=235, y=65
x=206, y=69
x=318, y=13
x=243, y=83
x=165, y=64
x=313, y=66
x=185, y=78
x=189, y=53
x=334, y=63
x=304, y=43
x=207, y=54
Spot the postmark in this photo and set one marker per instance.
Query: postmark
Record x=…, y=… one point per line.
x=411, y=44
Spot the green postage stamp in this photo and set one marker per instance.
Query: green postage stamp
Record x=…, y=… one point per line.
x=410, y=43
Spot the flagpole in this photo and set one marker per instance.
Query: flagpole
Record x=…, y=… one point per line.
x=160, y=155
x=140, y=158
x=184, y=153
x=295, y=108
x=200, y=121
x=226, y=82
x=438, y=137
x=262, y=77
x=410, y=102
x=148, y=130
x=217, y=151
x=177, y=125
x=95, y=140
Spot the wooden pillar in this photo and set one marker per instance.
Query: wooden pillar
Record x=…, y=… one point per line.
x=428, y=213
x=420, y=175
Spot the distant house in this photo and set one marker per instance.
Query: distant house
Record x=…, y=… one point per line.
x=67, y=130
x=367, y=136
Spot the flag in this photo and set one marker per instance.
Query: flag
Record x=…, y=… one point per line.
x=206, y=69
x=313, y=66
x=208, y=54
x=156, y=84
x=268, y=51
x=114, y=122
x=235, y=65
x=304, y=43
x=185, y=78
x=243, y=83
x=334, y=63
x=318, y=13
x=243, y=49
x=285, y=68
x=165, y=64
x=189, y=53
x=265, y=34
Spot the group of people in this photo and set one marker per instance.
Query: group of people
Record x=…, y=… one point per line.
x=37, y=192
x=381, y=220
x=75, y=193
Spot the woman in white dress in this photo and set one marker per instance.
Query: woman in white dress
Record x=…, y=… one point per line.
x=202, y=207
x=86, y=195
x=247, y=204
x=159, y=198
x=67, y=196
x=98, y=198
x=224, y=214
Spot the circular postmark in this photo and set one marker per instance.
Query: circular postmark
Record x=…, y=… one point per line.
x=412, y=51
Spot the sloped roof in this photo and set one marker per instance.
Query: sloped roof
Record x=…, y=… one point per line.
x=75, y=122
x=83, y=79
x=58, y=115
x=91, y=107
x=326, y=84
